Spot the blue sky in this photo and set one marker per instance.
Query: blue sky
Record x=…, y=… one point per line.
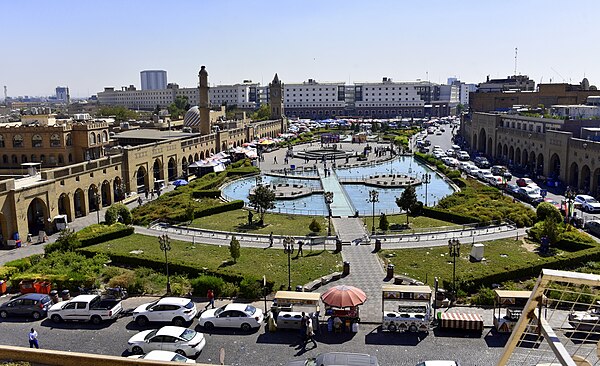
x=88, y=45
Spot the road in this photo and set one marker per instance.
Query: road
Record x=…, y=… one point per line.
x=251, y=348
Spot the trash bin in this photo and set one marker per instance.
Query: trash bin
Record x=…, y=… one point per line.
x=390, y=271
x=338, y=245
x=54, y=296
x=346, y=270
x=299, y=288
x=65, y=295
x=377, y=245
x=2, y=287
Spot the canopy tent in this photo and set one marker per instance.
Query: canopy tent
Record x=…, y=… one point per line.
x=344, y=296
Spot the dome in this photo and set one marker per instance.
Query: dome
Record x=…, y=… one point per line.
x=192, y=117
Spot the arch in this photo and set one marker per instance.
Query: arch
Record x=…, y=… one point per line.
x=511, y=155
x=595, y=181
x=92, y=139
x=104, y=136
x=184, y=165
x=55, y=140
x=212, y=152
x=499, y=151
x=79, y=203
x=14, y=159
x=207, y=154
x=23, y=158
x=98, y=138
x=574, y=175
x=2, y=143
x=172, y=169
x=585, y=180
x=33, y=158
x=17, y=141
x=4, y=159
x=532, y=159
x=482, y=139
x=234, y=144
x=142, y=180
x=37, y=216
x=555, y=165
x=505, y=151
x=474, y=144
x=64, y=206
x=69, y=140
x=42, y=158
x=196, y=157
x=157, y=172
x=190, y=159
x=223, y=146
x=92, y=195
x=540, y=164
x=525, y=158
x=118, y=189
x=36, y=141
x=61, y=159
x=518, y=156
x=105, y=193
x=70, y=158
x=201, y=155
x=490, y=150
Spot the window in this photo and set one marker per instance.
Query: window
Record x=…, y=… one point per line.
x=92, y=139
x=18, y=141
x=55, y=140
x=14, y=159
x=4, y=159
x=1, y=140
x=23, y=158
x=36, y=141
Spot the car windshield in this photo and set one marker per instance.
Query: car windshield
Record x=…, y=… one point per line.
x=151, y=334
x=250, y=309
x=592, y=200
x=219, y=310
x=178, y=357
x=151, y=304
x=188, y=334
x=311, y=362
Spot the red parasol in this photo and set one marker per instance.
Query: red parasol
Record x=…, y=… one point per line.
x=343, y=296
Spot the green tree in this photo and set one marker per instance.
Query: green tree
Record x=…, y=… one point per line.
x=384, y=224
x=120, y=113
x=262, y=199
x=234, y=249
x=460, y=108
x=263, y=113
x=189, y=213
x=545, y=210
x=407, y=200
x=67, y=242
x=117, y=211
x=550, y=230
x=314, y=226
x=179, y=106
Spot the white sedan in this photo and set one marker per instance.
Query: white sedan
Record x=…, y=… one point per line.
x=166, y=356
x=177, y=310
x=244, y=316
x=186, y=342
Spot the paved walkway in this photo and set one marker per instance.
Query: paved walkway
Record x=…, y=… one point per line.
x=349, y=229
x=341, y=205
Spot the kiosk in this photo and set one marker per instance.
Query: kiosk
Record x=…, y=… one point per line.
x=288, y=307
x=508, y=307
x=406, y=308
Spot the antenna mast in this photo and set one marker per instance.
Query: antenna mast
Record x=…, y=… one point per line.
x=5, y=93
x=516, y=51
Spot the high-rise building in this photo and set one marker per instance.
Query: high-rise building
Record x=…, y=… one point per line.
x=153, y=79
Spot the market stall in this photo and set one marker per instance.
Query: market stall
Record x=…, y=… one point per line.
x=342, y=306
x=288, y=307
x=406, y=308
x=508, y=307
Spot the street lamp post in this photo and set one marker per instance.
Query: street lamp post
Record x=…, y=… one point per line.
x=373, y=197
x=288, y=248
x=454, y=251
x=329, y=201
x=165, y=246
x=426, y=181
x=570, y=194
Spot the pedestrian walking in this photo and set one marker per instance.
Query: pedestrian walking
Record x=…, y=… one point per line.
x=310, y=333
x=146, y=192
x=274, y=159
x=211, y=299
x=300, y=244
x=140, y=201
x=271, y=239
x=33, y=339
x=304, y=324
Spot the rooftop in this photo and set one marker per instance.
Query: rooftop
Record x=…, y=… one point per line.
x=150, y=134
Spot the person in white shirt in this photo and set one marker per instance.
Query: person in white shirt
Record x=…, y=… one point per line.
x=33, y=341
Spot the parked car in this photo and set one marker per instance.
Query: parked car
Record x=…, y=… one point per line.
x=166, y=356
x=464, y=165
x=244, y=316
x=338, y=359
x=86, y=308
x=512, y=189
x=451, y=162
x=34, y=305
x=481, y=162
x=186, y=342
x=451, y=153
x=455, y=147
x=588, y=203
x=177, y=310
x=557, y=205
x=501, y=171
x=495, y=181
x=438, y=363
x=474, y=171
x=481, y=174
x=593, y=227
x=530, y=195
x=463, y=155
x=524, y=182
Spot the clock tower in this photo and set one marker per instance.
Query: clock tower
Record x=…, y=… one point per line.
x=276, y=98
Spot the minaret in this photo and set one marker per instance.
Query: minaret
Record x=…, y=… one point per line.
x=203, y=102
x=276, y=98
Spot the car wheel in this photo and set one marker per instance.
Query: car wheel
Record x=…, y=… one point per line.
x=141, y=321
x=413, y=329
x=178, y=321
x=56, y=318
x=246, y=327
x=137, y=350
x=181, y=352
x=96, y=320
x=208, y=326
x=3, y=314
x=392, y=327
x=36, y=315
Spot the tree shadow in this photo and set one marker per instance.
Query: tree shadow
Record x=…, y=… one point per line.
x=226, y=263
x=378, y=336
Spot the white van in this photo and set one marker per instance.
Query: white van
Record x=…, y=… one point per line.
x=60, y=222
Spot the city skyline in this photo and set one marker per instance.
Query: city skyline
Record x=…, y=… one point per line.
x=94, y=47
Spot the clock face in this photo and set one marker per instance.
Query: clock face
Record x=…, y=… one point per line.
x=275, y=93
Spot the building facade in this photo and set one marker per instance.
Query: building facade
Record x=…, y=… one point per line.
x=243, y=96
x=153, y=79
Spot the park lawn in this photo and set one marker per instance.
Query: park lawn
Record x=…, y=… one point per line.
x=419, y=222
x=426, y=263
x=279, y=224
x=252, y=262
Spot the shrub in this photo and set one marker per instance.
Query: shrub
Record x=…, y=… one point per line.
x=546, y=209
x=124, y=280
x=105, y=233
x=453, y=174
x=444, y=215
x=201, y=285
x=384, y=224
x=67, y=242
x=117, y=212
x=23, y=264
x=234, y=248
x=251, y=288
x=7, y=272
x=485, y=296
x=229, y=290
x=314, y=226
x=211, y=193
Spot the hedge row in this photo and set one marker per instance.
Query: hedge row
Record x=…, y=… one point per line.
x=436, y=213
x=120, y=233
x=207, y=193
x=229, y=206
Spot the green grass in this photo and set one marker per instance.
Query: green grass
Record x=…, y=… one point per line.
x=427, y=263
x=419, y=222
x=279, y=224
x=255, y=262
